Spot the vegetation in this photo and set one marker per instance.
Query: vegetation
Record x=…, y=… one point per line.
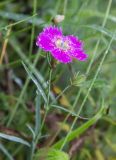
x=50, y=110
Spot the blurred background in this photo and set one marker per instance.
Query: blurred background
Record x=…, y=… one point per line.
x=94, y=22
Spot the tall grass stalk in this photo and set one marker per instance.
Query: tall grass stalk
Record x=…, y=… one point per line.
x=33, y=28
x=92, y=83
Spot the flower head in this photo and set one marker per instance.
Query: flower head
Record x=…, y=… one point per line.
x=63, y=48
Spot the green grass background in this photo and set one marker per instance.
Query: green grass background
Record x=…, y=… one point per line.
x=28, y=75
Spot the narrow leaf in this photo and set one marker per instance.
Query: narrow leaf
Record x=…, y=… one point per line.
x=35, y=82
x=77, y=132
x=4, y=150
x=14, y=138
x=102, y=30
x=37, y=114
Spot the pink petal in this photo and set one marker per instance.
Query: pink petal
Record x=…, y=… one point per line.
x=76, y=48
x=52, y=31
x=61, y=56
x=79, y=54
x=44, y=42
x=75, y=42
x=73, y=47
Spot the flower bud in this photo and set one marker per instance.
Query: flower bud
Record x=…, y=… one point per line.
x=78, y=80
x=58, y=18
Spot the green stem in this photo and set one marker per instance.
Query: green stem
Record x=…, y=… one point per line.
x=49, y=86
x=33, y=28
x=65, y=6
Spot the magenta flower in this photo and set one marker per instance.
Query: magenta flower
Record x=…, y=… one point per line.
x=63, y=48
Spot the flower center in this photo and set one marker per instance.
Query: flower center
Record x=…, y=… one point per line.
x=60, y=43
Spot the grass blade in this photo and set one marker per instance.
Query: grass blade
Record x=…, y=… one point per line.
x=25, y=59
x=102, y=30
x=19, y=18
x=77, y=132
x=37, y=114
x=14, y=139
x=4, y=150
x=39, y=88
